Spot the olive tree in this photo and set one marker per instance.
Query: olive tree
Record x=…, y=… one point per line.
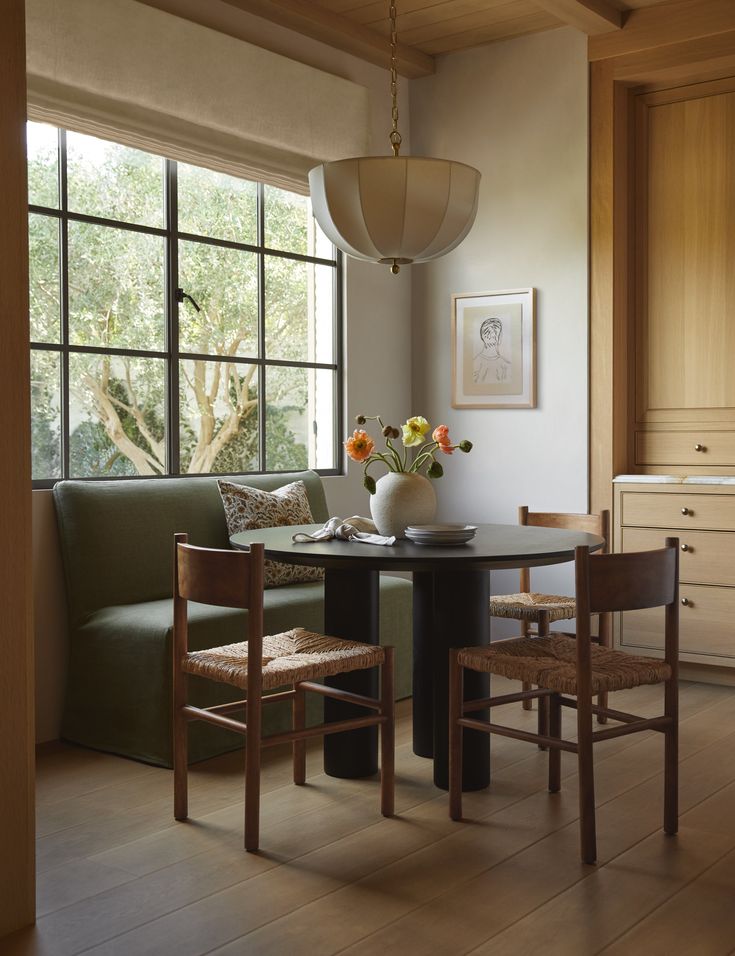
x=116, y=300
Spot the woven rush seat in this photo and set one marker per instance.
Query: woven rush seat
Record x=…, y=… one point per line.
x=550, y=662
x=526, y=607
x=290, y=657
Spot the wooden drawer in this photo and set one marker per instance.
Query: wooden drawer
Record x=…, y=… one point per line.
x=681, y=511
x=709, y=558
x=706, y=625
x=679, y=448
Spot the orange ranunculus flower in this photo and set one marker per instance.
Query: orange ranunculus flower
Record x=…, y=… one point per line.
x=360, y=446
x=441, y=436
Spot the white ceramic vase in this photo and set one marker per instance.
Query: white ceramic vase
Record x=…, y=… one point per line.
x=401, y=500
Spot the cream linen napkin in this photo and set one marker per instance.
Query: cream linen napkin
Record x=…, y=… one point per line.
x=347, y=529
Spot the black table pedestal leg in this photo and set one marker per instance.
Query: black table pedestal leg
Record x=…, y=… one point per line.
x=351, y=611
x=461, y=619
x=423, y=663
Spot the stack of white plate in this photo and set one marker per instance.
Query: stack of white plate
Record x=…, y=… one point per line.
x=442, y=535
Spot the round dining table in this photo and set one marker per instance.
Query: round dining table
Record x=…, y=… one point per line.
x=451, y=593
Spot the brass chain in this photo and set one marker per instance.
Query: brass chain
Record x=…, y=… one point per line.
x=395, y=136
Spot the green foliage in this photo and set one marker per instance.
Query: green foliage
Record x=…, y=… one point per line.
x=44, y=288
x=45, y=425
x=93, y=455
x=116, y=299
x=212, y=204
x=43, y=165
x=113, y=181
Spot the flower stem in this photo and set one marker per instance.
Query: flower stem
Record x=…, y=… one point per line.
x=426, y=454
x=394, y=453
x=377, y=455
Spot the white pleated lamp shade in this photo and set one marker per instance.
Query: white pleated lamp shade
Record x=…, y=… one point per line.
x=395, y=209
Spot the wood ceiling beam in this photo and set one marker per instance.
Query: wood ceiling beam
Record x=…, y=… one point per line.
x=338, y=31
x=592, y=17
x=651, y=27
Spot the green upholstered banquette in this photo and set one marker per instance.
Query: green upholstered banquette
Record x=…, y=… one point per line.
x=117, y=549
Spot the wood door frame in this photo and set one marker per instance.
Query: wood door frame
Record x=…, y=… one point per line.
x=687, y=42
x=17, y=818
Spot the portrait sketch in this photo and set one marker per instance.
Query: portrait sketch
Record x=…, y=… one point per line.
x=493, y=350
x=489, y=364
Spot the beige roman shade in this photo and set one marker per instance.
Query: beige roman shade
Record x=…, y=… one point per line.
x=124, y=71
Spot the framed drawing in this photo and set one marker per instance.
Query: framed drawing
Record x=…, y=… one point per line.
x=494, y=349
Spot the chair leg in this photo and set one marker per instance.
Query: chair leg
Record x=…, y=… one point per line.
x=181, y=755
x=554, y=752
x=671, y=761
x=456, y=695
x=586, y=780
x=388, y=735
x=543, y=719
x=527, y=704
x=299, y=746
x=605, y=632
x=252, y=777
x=543, y=702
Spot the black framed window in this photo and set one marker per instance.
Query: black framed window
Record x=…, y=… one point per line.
x=183, y=321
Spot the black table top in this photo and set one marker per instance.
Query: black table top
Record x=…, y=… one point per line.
x=495, y=546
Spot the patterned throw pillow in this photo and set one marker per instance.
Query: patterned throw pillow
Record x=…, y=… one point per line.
x=250, y=508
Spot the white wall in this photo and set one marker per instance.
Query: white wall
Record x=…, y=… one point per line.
x=377, y=364
x=517, y=111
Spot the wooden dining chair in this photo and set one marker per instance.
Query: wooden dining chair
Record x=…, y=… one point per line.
x=536, y=611
x=570, y=672
x=295, y=659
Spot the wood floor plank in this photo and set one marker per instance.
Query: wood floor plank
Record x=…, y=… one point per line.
x=458, y=854
x=74, y=882
x=622, y=892
x=700, y=919
x=119, y=877
x=437, y=918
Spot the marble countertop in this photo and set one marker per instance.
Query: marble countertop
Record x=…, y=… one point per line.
x=675, y=479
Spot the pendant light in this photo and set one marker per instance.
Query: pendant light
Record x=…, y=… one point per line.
x=395, y=209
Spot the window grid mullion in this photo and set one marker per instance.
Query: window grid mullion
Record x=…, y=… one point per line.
x=64, y=267
x=171, y=198
x=338, y=345
x=98, y=220
x=262, y=374
x=260, y=247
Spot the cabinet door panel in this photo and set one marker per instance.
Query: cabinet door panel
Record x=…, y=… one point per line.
x=698, y=448
x=706, y=624
x=685, y=229
x=709, y=557
x=685, y=512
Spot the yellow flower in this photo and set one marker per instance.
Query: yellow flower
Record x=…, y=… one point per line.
x=414, y=431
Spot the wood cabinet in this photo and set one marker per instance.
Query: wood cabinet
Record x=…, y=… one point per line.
x=680, y=388
x=683, y=343
x=662, y=245
x=662, y=308
x=702, y=517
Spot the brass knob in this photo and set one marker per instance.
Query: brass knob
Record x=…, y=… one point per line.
x=685, y=547
x=686, y=511
x=699, y=447
x=686, y=602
